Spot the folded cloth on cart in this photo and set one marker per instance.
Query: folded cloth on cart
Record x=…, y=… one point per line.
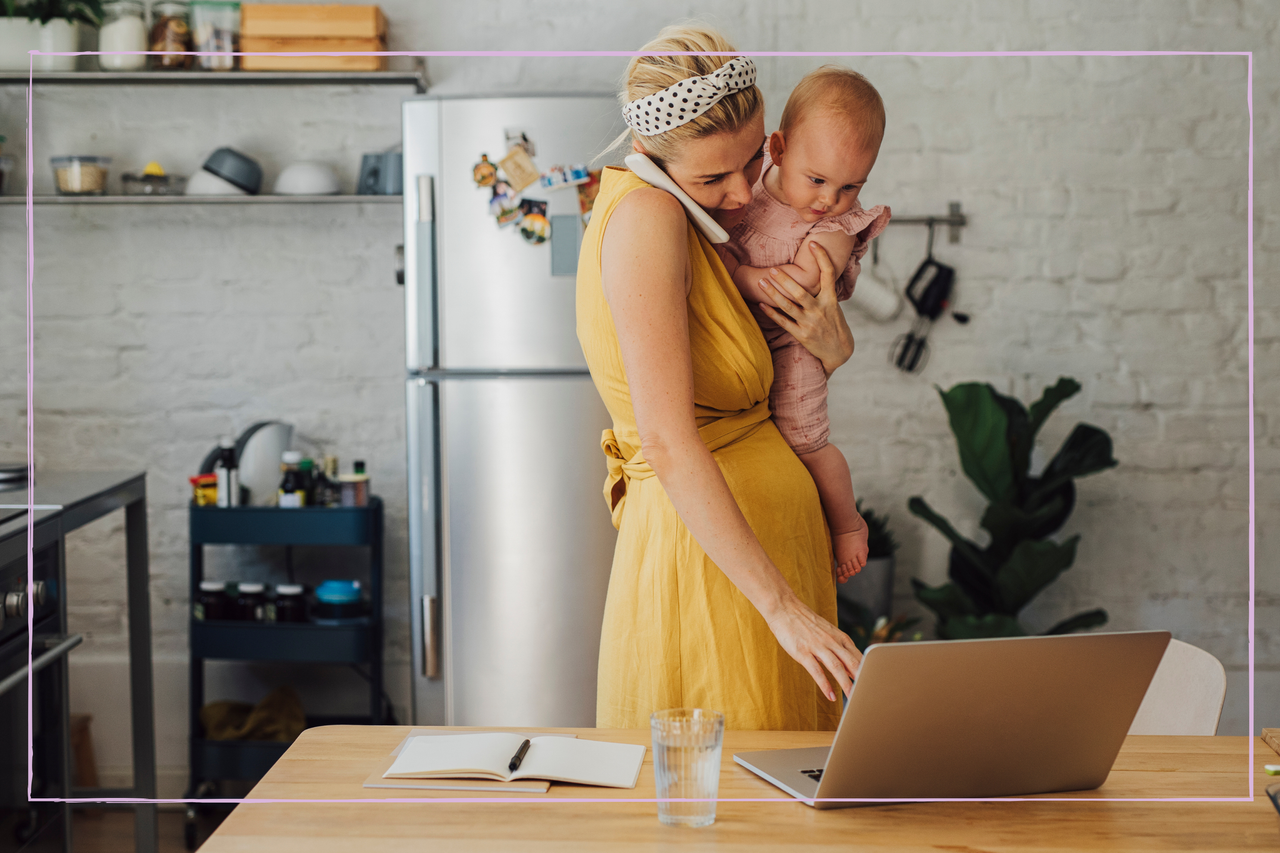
x=277, y=717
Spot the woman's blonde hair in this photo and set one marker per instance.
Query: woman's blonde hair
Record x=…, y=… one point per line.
x=839, y=91
x=646, y=75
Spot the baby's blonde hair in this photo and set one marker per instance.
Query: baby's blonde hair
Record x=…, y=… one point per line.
x=839, y=91
x=646, y=75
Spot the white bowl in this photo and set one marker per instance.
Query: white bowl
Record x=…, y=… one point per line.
x=307, y=178
x=207, y=183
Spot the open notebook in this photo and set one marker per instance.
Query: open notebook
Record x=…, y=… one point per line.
x=487, y=756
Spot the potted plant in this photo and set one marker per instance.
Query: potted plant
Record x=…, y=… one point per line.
x=990, y=585
x=46, y=25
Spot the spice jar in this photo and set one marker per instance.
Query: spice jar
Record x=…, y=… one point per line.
x=355, y=487
x=212, y=602
x=215, y=28
x=289, y=604
x=251, y=603
x=171, y=31
x=123, y=28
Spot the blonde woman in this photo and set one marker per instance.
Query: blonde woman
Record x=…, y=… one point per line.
x=722, y=594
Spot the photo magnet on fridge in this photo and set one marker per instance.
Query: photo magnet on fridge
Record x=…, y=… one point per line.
x=535, y=228
x=519, y=168
x=519, y=138
x=505, y=204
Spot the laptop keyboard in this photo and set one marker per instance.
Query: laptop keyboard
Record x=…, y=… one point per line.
x=815, y=775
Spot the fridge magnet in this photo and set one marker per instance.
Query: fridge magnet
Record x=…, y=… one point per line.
x=504, y=206
x=518, y=137
x=519, y=168
x=535, y=228
x=587, y=194
x=558, y=177
x=484, y=173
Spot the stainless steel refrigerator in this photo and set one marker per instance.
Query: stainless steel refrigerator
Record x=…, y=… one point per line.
x=510, y=542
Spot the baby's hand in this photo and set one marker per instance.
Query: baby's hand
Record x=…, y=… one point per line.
x=851, y=551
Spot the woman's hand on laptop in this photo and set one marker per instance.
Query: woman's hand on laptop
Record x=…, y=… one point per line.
x=817, y=645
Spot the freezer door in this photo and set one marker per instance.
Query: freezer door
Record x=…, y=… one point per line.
x=498, y=303
x=527, y=552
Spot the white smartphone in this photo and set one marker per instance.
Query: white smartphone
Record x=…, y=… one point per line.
x=648, y=171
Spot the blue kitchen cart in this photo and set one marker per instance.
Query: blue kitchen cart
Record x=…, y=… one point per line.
x=357, y=642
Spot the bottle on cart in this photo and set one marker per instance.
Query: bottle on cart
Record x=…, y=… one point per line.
x=228, y=473
x=251, y=602
x=307, y=471
x=327, y=490
x=289, y=603
x=292, y=493
x=212, y=602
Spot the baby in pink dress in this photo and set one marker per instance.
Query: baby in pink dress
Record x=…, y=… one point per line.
x=815, y=165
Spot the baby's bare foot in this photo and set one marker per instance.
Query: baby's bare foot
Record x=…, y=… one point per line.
x=851, y=552
x=844, y=571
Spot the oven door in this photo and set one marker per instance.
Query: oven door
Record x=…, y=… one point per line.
x=26, y=825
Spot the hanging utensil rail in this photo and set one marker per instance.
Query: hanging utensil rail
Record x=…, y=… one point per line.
x=954, y=220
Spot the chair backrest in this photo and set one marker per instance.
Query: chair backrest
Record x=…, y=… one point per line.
x=1185, y=696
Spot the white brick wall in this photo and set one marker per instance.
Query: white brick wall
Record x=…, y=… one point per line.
x=1106, y=197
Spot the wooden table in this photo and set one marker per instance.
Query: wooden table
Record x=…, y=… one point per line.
x=332, y=762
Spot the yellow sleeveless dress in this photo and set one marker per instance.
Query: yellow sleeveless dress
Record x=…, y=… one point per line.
x=677, y=632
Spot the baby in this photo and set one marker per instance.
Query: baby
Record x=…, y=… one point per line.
x=814, y=166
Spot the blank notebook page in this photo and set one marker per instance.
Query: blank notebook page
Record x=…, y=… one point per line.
x=488, y=752
x=587, y=761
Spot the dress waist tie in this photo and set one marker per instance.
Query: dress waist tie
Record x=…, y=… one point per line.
x=716, y=434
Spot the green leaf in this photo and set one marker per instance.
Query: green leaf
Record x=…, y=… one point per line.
x=1086, y=451
x=1031, y=567
x=980, y=627
x=1080, y=622
x=1065, y=389
x=1018, y=439
x=947, y=601
x=971, y=551
x=981, y=430
x=1008, y=523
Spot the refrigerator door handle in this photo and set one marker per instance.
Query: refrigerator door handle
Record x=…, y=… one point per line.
x=430, y=636
x=426, y=199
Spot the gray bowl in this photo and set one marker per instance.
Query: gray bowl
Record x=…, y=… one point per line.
x=235, y=168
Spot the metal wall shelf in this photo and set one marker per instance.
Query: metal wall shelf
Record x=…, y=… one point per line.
x=203, y=199
x=417, y=77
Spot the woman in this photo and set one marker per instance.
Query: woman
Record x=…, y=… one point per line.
x=721, y=594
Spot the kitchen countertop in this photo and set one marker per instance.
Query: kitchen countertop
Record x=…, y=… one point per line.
x=81, y=495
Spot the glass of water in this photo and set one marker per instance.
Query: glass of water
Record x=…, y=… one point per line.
x=686, y=764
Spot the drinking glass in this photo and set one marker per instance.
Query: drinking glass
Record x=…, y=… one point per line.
x=686, y=764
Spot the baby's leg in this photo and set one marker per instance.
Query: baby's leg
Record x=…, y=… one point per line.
x=830, y=474
x=798, y=399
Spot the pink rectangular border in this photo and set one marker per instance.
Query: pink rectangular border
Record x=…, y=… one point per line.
x=30, y=326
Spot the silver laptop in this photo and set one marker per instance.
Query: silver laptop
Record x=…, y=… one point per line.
x=975, y=718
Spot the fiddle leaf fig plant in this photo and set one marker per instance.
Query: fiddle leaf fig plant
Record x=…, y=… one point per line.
x=990, y=585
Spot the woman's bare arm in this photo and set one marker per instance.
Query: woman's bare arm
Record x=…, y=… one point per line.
x=645, y=269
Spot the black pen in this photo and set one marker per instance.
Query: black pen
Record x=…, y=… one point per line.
x=519, y=756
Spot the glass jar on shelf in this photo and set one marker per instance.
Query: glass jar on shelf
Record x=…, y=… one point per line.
x=123, y=29
x=171, y=31
x=215, y=29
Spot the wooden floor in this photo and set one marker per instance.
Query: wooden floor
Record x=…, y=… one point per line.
x=111, y=831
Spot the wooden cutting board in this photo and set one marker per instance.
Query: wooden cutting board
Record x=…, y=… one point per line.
x=1272, y=739
x=270, y=20
x=311, y=63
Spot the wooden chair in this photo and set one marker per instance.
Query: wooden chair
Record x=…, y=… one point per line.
x=1185, y=696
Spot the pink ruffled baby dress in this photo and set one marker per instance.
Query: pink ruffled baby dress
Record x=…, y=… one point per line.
x=769, y=235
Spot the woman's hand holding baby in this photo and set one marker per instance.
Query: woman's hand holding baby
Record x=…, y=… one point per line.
x=815, y=321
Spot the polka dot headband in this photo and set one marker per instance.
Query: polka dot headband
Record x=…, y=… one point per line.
x=688, y=99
